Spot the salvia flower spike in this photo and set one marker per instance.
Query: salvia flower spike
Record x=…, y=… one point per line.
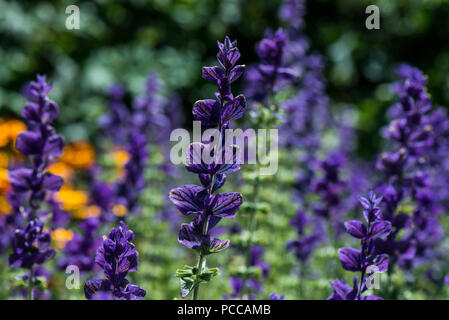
x=40, y=144
x=117, y=257
x=365, y=260
x=202, y=202
x=414, y=135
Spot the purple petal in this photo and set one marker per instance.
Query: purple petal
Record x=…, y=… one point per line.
x=225, y=204
x=381, y=261
x=31, y=112
x=356, y=229
x=188, y=237
x=29, y=143
x=230, y=160
x=350, y=259
x=194, y=161
x=54, y=145
x=207, y=111
x=213, y=73
x=234, y=110
x=134, y=292
x=127, y=263
x=20, y=179
x=52, y=182
x=236, y=72
x=185, y=199
x=232, y=56
x=220, y=180
x=371, y=297
x=91, y=287
x=379, y=228
x=217, y=245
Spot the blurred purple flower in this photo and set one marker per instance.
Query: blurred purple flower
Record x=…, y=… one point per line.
x=269, y=75
x=31, y=246
x=81, y=250
x=408, y=167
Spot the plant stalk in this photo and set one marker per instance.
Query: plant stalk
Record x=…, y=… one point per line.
x=30, y=285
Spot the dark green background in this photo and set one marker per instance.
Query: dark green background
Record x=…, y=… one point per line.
x=122, y=41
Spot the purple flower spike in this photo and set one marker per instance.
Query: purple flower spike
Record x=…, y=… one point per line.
x=117, y=256
x=33, y=184
x=212, y=164
x=365, y=260
x=269, y=75
x=416, y=135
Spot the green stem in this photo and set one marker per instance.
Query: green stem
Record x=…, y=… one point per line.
x=30, y=285
x=302, y=278
x=196, y=290
x=251, y=228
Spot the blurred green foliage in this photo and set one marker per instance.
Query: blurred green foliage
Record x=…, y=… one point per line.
x=121, y=41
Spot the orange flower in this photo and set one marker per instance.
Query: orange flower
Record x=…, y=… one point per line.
x=61, y=236
x=9, y=130
x=4, y=181
x=79, y=155
x=120, y=210
x=4, y=134
x=3, y=160
x=71, y=199
x=121, y=157
x=4, y=206
x=87, y=212
x=14, y=128
x=61, y=169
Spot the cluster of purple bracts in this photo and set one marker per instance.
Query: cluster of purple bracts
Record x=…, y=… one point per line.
x=330, y=187
x=132, y=125
x=292, y=13
x=307, y=116
x=269, y=75
x=32, y=185
x=115, y=122
x=128, y=127
x=409, y=172
x=307, y=119
x=366, y=260
x=117, y=257
x=306, y=242
x=307, y=113
x=133, y=128
x=207, y=207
